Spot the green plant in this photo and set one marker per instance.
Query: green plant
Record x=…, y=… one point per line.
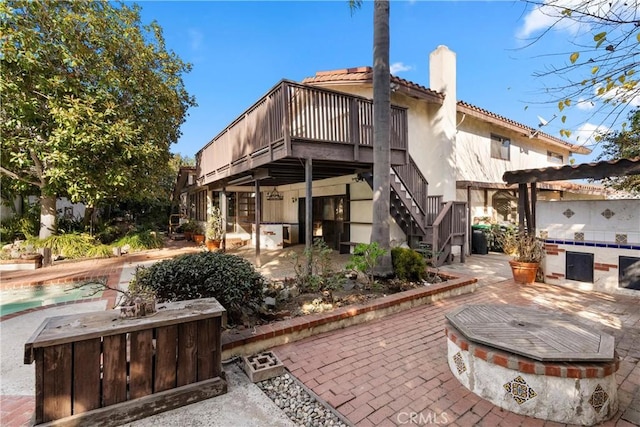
x=520, y=245
x=408, y=264
x=190, y=226
x=214, y=229
x=316, y=273
x=71, y=245
x=232, y=280
x=141, y=240
x=365, y=258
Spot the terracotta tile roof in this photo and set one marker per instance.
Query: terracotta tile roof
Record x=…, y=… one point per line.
x=465, y=107
x=365, y=75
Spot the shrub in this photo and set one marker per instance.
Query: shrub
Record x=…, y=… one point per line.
x=141, y=240
x=322, y=276
x=232, y=280
x=72, y=245
x=408, y=264
x=365, y=258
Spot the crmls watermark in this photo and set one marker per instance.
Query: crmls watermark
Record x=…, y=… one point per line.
x=422, y=418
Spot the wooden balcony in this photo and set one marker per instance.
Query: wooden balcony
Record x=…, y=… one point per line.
x=292, y=122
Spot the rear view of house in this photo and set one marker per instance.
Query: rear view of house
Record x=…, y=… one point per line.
x=314, y=140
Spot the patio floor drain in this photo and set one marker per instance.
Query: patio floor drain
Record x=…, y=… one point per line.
x=262, y=366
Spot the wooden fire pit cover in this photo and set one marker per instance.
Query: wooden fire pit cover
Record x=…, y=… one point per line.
x=533, y=333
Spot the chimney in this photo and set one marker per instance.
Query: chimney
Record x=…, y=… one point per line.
x=442, y=74
x=442, y=158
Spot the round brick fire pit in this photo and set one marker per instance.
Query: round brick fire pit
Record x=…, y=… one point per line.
x=534, y=363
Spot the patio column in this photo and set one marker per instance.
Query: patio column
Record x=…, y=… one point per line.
x=224, y=209
x=534, y=199
x=308, y=201
x=257, y=221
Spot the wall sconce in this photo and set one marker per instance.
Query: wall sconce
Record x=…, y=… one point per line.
x=294, y=199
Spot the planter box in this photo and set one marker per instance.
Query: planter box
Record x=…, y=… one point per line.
x=100, y=369
x=31, y=263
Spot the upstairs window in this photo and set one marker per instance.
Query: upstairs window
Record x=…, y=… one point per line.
x=500, y=147
x=555, y=158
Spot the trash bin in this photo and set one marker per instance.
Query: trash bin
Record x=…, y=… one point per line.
x=479, y=243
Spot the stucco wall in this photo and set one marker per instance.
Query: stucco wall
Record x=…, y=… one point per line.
x=473, y=156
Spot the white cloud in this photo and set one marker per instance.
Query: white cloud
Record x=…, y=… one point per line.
x=586, y=133
x=398, y=67
x=196, y=37
x=543, y=17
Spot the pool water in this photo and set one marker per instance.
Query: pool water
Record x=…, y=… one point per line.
x=15, y=300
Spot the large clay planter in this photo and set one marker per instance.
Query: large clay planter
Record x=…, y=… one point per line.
x=524, y=272
x=212, y=245
x=198, y=238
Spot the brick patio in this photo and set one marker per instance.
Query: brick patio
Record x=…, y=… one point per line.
x=394, y=371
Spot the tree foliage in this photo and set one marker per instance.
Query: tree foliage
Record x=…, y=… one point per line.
x=624, y=144
x=91, y=99
x=601, y=71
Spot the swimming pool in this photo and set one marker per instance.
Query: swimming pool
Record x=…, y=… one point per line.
x=15, y=300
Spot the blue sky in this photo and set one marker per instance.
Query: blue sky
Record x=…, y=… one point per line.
x=240, y=49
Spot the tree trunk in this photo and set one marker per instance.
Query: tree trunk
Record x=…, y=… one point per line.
x=381, y=135
x=48, y=216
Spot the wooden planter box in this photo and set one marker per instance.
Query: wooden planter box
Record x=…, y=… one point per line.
x=99, y=369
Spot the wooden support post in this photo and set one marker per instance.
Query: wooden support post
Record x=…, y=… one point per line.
x=224, y=210
x=469, y=231
x=527, y=208
x=522, y=190
x=257, y=221
x=308, y=180
x=534, y=200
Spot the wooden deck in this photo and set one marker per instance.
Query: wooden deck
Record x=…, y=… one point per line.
x=293, y=122
x=537, y=334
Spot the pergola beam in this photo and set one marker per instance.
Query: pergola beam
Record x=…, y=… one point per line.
x=599, y=170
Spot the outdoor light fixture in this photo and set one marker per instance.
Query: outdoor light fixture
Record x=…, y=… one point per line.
x=274, y=195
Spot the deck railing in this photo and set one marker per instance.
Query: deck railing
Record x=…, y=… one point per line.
x=450, y=222
x=295, y=112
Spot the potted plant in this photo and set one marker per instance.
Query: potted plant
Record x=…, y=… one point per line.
x=526, y=252
x=198, y=234
x=214, y=230
x=188, y=228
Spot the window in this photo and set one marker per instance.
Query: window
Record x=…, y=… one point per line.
x=500, y=147
x=555, y=158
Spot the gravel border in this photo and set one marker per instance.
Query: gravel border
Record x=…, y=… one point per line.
x=300, y=404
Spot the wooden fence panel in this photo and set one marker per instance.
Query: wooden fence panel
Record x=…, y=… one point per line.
x=187, y=353
x=166, y=358
x=57, y=382
x=114, y=377
x=86, y=375
x=141, y=364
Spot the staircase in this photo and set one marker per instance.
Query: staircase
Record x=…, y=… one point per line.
x=430, y=225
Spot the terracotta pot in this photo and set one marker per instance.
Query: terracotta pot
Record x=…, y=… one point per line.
x=198, y=238
x=212, y=245
x=524, y=272
x=188, y=235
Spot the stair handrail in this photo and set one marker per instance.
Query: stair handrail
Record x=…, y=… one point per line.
x=417, y=187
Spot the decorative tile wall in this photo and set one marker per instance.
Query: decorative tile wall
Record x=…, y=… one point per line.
x=520, y=390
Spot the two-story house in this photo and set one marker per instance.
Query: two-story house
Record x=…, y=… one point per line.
x=307, y=150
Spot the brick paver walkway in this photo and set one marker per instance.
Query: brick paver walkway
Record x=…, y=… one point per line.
x=394, y=371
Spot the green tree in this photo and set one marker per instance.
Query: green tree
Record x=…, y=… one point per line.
x=91, y=101
x=601, y=68
x=381, y=133
x=623, y=144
